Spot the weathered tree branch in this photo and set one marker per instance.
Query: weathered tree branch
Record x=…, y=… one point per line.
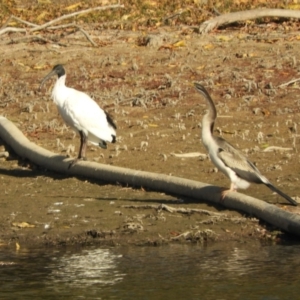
x=81, y=12
x=209, y=25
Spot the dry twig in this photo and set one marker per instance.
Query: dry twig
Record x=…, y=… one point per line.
x=34, y=38
x=175, y=210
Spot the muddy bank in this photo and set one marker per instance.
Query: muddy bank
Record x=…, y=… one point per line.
x=44, y=208
x=148, y=91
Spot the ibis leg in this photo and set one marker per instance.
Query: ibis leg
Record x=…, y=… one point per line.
x=82, y=149
x=83, y=142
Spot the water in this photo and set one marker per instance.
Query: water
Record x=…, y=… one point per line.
x=221, y=271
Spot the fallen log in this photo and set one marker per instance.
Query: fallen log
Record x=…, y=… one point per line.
x=11, y=135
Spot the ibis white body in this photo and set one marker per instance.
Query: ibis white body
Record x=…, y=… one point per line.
x=81, y=113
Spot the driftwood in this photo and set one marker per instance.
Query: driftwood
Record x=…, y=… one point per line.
x=270, y=213
x=35, y=27
x=209, y=25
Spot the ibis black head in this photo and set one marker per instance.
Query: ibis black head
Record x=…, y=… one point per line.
x=57, y=70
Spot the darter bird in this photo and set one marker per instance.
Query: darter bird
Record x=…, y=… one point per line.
x=229, y=160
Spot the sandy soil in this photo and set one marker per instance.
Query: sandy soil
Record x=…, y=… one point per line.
x=149, y=93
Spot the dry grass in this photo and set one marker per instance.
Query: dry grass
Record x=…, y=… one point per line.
x=136, y=14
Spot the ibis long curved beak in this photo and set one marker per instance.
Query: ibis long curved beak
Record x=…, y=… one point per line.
x=46, y=78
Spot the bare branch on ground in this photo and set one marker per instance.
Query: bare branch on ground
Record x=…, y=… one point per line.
x=289, y=82
x=238, y=16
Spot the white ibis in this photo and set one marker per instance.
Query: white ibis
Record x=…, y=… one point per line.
x=81, y=113
x=232, y=162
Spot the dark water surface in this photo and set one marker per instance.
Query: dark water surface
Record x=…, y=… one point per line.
x=221, y=271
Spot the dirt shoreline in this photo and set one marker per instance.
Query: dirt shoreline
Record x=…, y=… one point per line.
x=113, y=223
x=80, y=211
x=149, y=93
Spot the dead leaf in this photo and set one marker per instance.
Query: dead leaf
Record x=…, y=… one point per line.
x=265, y=112
x=44, y=1
x=126, y=17
x=294, y=6
x=166, y=46
x=22, y=225
x=209, y=46
x=173, y=46
x=228, y=132
x=179, y=44
x=224, y=38
x=73, y=6
x=242, y=36
x=150, y=3
x=17, y=246
x=24, y=66
x=40, y=67
x=12, y=23
x=174, y=233
x=42, y=16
